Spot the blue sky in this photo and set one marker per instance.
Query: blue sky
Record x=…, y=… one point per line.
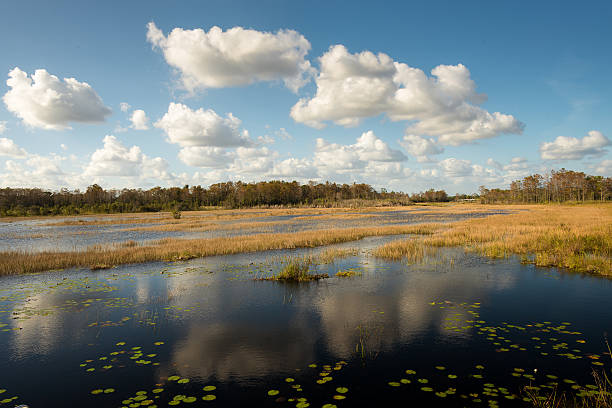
x=314, y=101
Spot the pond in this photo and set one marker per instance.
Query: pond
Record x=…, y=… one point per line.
x=455, y=330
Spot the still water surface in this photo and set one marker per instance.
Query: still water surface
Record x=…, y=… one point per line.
x=473, y=331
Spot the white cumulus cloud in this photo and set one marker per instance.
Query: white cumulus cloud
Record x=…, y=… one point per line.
x=187, y=127
x=205, y=156
x=368, y=147
x=421, y=147
x=351, y=87
x=253, y=160
x=294, y=168
x=36, y=171
x=236, y=57
x=9, y=148
x=139, y=120
x=116, y=160
x=3, y=126
x=453, y=167
x=45, y=101
x=572, y=148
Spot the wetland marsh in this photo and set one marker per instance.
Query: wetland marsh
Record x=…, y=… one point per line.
x=458, y=324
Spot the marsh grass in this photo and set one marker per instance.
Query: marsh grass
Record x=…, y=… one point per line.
x=411, y=250
x=576, y=238
x=174, y=249
x=329, y=255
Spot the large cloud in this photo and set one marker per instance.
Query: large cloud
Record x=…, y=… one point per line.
x=9, y=148
x=45, y=101
x=187, y=127
x=572, y=148
x=351, y=87
x=238, y=56
x=116, y=160
x=368, y=148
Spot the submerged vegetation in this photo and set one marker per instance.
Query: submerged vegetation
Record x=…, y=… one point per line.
x=576, y=238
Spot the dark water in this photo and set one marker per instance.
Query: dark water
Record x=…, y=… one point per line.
x=208, y=321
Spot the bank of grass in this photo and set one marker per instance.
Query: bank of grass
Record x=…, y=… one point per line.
x=174, y=249
x=576, y=238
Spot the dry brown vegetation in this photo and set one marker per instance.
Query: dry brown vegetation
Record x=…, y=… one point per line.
x=172, y=249
x=577, y=238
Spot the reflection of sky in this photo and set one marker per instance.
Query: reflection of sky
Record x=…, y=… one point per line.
x=220, y=324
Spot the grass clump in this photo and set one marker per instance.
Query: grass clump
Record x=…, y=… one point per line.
x=297, y=270
x=346, y=273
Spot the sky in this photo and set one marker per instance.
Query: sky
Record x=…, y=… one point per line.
x=405, y=96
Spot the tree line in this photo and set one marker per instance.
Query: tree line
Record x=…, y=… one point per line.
x=555, y=187
x=35, y=201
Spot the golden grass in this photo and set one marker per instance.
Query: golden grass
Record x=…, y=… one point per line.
x=172, y=249
x=411, y=250
x=577, y=238
x=329, y=255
